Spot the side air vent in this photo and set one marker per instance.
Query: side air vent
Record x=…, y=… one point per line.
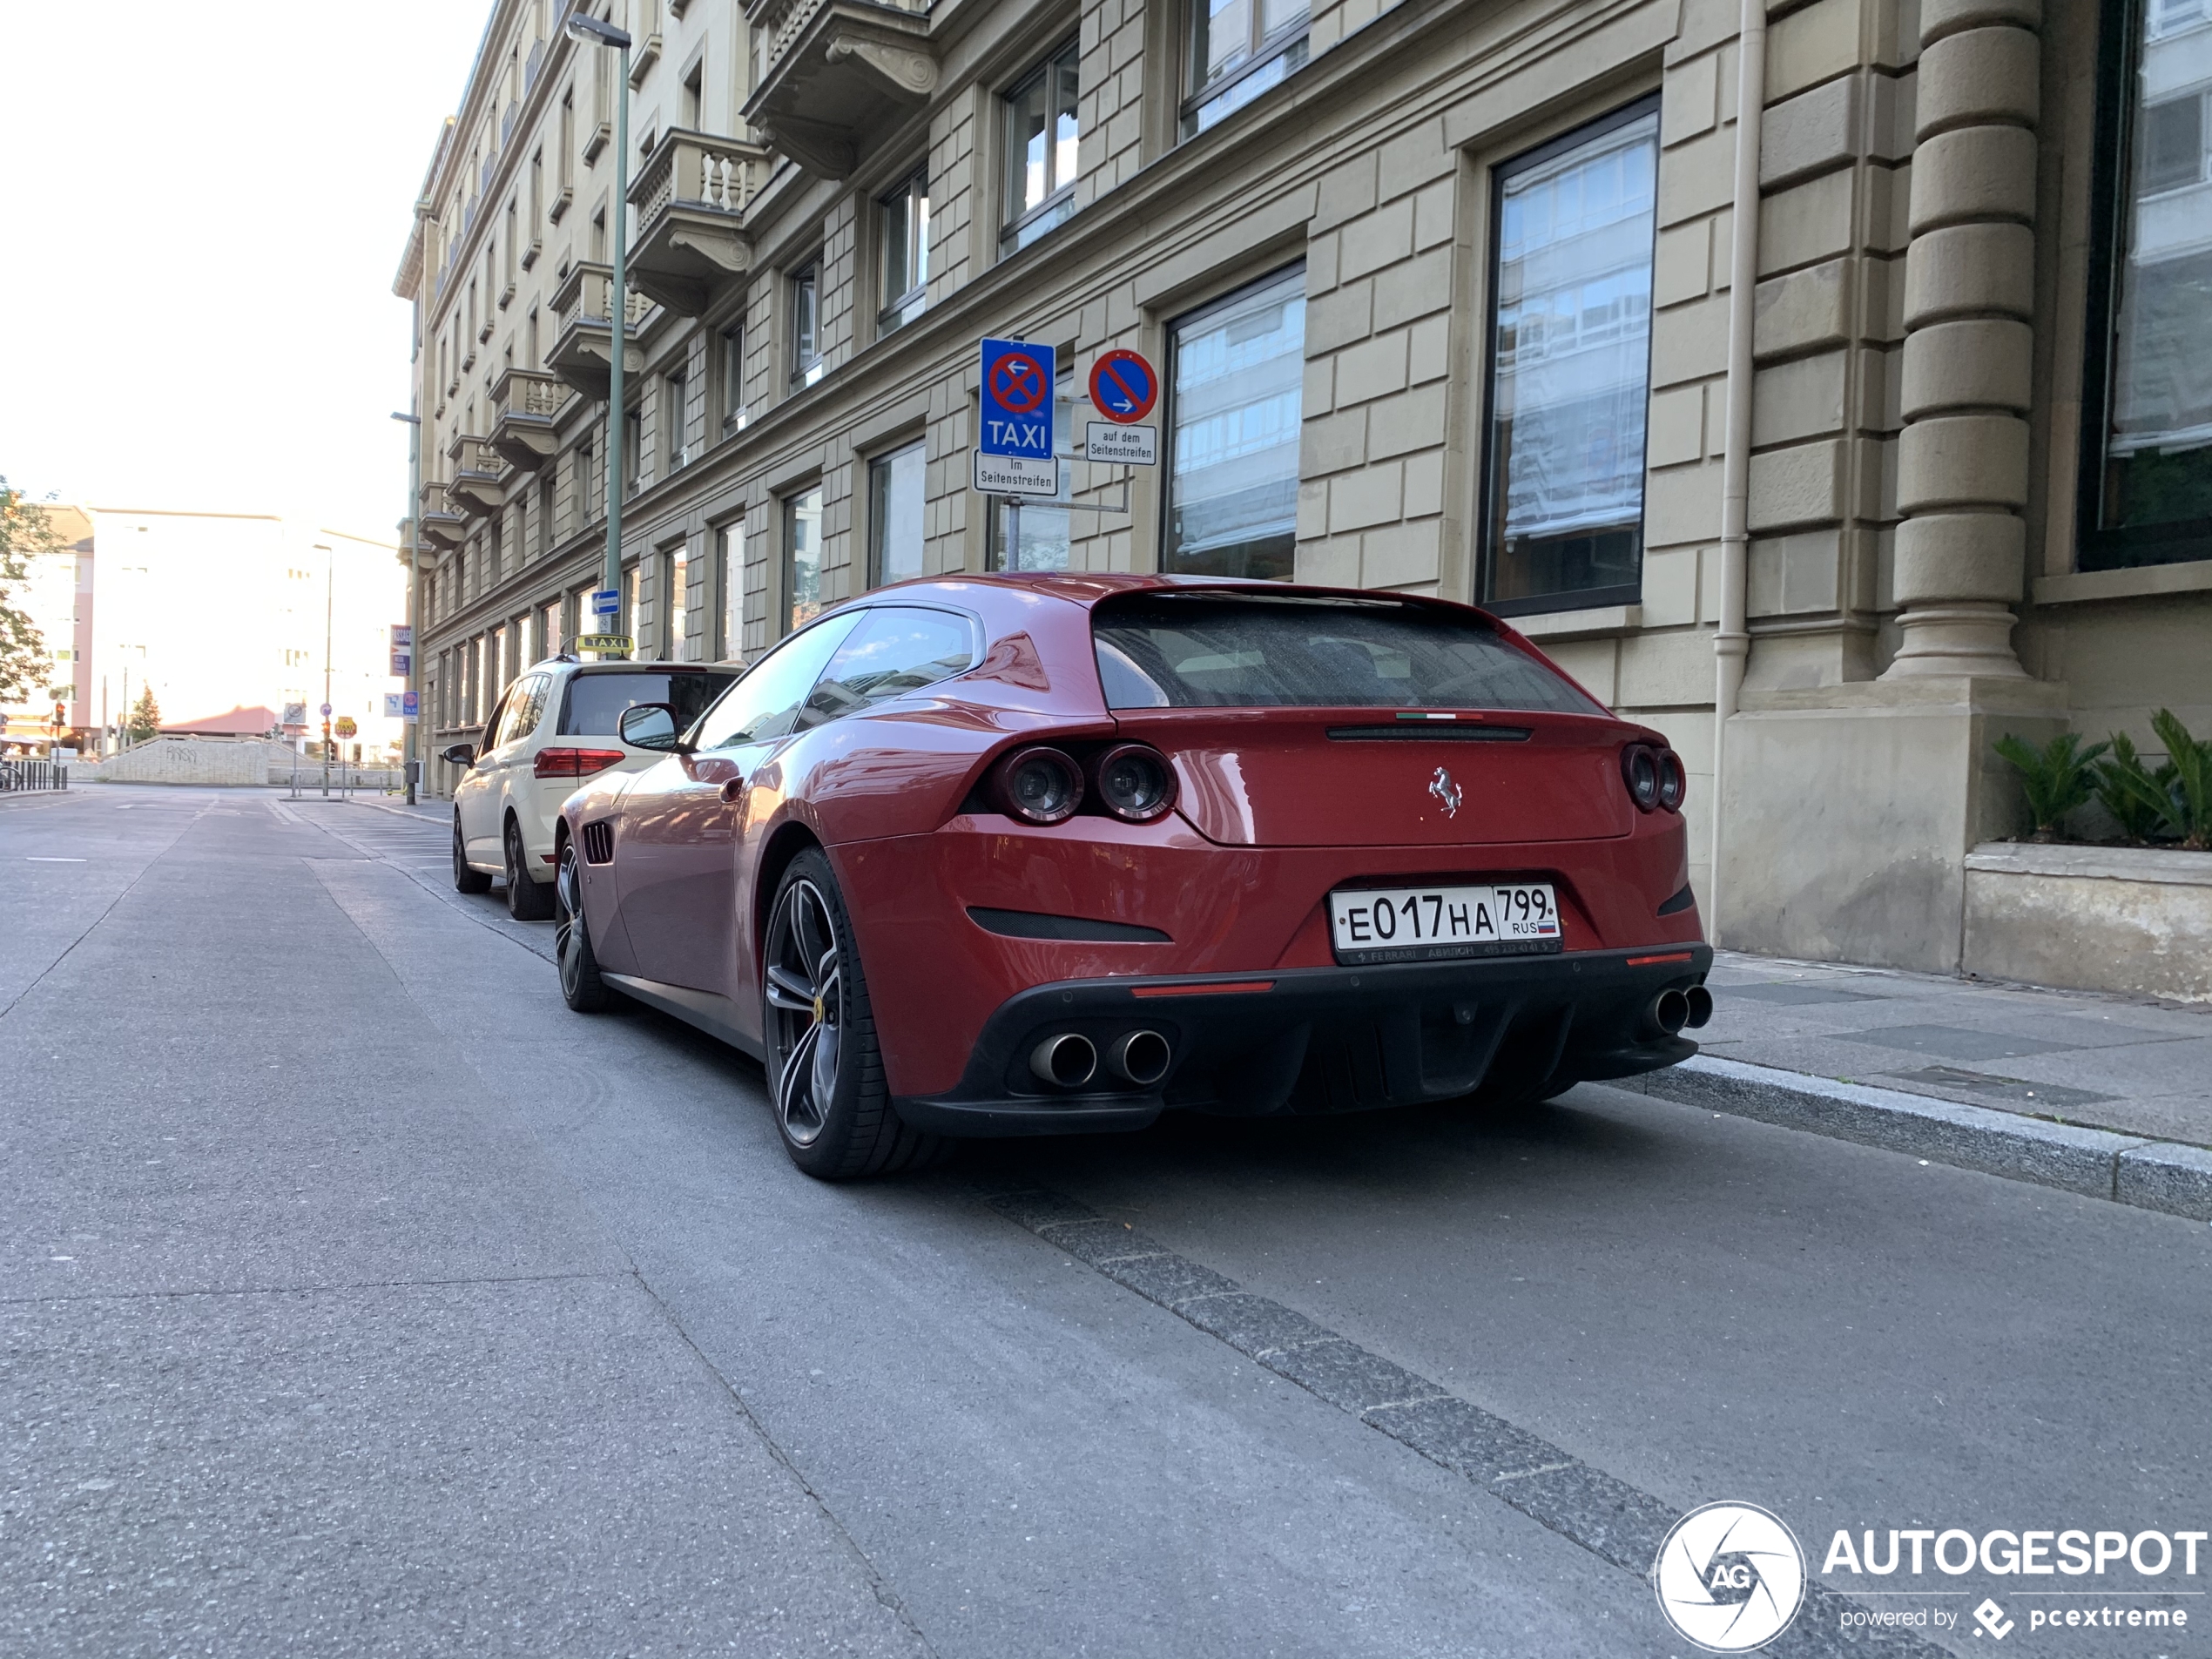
x=1428, y=732
x=599, y=842
x=1029, y=924
x=1679, y=903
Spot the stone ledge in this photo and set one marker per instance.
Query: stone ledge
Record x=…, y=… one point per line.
x=1578, y=624
x=2082, y=587
x=2158, y=864
x=2136, y=920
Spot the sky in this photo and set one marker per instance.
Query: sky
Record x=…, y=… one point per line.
x=207, y=206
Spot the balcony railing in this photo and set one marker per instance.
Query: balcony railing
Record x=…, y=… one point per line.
x=835, y=72
x=475, y=485
x=524, y=405
x=439, y=524
x=690, y=197
x=582, y=352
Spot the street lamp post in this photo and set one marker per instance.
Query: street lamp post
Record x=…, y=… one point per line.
x=329, y=605
x=410, y=749
x=592, y=32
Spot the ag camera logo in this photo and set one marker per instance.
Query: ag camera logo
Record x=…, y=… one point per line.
x=1729, y=1577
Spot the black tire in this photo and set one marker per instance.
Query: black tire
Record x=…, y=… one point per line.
x=527, y=901
x=834, y=1113
x=464, y=879
x=582, y=988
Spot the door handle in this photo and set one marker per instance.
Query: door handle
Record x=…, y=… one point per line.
x=732, y=790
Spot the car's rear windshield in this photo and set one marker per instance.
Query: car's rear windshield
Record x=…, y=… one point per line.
x=596, y=701
x=1242, y=649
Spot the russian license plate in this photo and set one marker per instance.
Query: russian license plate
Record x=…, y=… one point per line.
x=1435, y=924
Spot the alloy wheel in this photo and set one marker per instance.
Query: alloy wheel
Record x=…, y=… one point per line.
x=804, y=994
x=568, y=915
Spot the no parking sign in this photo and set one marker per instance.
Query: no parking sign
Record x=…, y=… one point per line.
x=1013, y=449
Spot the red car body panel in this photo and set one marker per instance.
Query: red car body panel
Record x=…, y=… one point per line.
x=1273, y=814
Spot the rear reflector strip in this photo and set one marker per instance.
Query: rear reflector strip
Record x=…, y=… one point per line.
x=1205, y=988
x=1426, y=731
x=1671, y=956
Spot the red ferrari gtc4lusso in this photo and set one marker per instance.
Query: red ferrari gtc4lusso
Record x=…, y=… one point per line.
x=1027, y=855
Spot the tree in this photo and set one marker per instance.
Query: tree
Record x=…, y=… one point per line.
x=145, y=718
x=25, y=532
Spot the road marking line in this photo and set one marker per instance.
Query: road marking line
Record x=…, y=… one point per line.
x=34, y=859
x=1614, y=1520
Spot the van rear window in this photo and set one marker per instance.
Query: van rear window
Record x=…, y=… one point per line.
x=1201, y=649
x=595, y=702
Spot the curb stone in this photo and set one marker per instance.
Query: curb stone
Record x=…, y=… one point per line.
x=2148, y=1174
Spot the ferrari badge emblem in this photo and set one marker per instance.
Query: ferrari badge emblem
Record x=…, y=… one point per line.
x=1446, y=791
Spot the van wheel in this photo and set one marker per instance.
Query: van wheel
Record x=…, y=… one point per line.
x=464, y=879
x=527, y=899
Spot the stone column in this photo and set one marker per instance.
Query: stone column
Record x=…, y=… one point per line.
x=1969, y=292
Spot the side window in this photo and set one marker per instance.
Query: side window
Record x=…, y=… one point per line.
x=898, y=649
x=765, y=703
x=1042, y=126
x=524, y=708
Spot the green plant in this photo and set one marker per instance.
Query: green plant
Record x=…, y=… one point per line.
x=2190, y=792
x=2136, y=796
x=25, y=532
x=2054, y=778
x=145, y=718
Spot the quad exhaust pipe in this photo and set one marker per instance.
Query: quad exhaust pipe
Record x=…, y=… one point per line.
x=1068, y=1059
x=1139, y=1058
x=1673, y=1009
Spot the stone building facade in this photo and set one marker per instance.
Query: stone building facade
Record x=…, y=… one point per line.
x=1448, y=298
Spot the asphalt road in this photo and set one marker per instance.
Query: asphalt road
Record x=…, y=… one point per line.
x=358, y=1299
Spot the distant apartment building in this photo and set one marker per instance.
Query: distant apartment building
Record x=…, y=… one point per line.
x=56, y=596
x=1441, y=293
x=216, y=613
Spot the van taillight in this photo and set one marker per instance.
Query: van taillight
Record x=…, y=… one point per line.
x=576, y=763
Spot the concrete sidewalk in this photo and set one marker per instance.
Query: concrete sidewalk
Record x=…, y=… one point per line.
x=2138, y=1069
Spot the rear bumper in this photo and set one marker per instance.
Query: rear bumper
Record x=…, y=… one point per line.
x=1318, y=1040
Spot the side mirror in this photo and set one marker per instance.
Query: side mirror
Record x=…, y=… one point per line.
x=651, y=725
x=460, y=754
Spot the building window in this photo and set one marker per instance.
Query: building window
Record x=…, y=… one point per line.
x=694, y=84
x=1042, y=127
x=1240, y=49
x=902, y=228
x=895, y=524
x=671, y=413
x=729, y=582
x=802, y=557
x=676, y=577
x=1237, y=370
x=2147, y=431
x=806, y=326
x=633, y=447
x=1570, y=369
x=585, y=497
x=629, y=605
x=555, y=636
x=1038, y=534
x=734, y=377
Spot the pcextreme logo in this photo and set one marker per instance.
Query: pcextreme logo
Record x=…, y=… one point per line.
x=1729, y=1577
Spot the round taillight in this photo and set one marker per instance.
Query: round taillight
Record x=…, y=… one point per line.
x=1673, y=785
x=1640, y=768
x=1038, y=786
x=1135, y=782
